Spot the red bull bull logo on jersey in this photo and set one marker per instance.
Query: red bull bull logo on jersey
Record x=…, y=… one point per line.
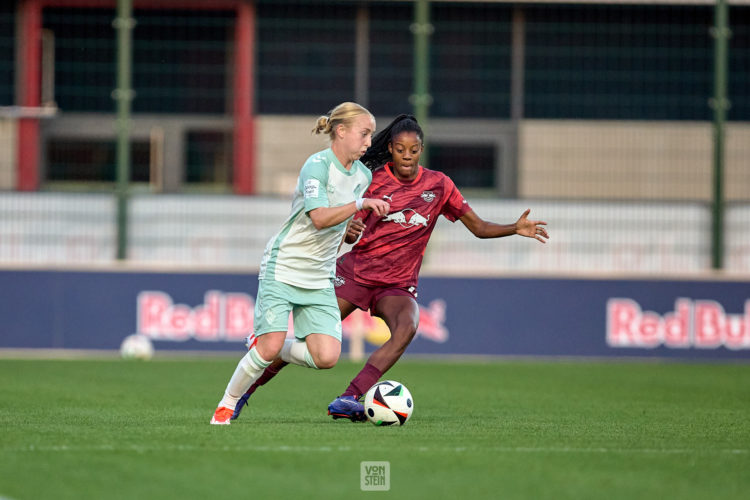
x=229, y=317
x=701, y=324
x=407, y=217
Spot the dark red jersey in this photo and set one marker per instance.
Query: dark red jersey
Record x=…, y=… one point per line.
x=391, y=248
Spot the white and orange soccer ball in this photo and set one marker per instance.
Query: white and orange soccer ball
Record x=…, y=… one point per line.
x=388, y=403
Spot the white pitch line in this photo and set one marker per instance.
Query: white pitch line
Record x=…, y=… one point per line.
x=674, y=451
x=330, y=449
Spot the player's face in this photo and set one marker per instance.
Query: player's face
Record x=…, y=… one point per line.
x=358, y=137
x=405, y=149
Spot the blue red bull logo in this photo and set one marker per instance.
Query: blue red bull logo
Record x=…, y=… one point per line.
x=701, y=324
x=229, y=317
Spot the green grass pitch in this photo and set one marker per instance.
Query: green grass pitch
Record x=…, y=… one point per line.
x=114, y=429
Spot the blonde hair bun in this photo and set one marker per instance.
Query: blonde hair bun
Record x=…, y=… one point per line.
x=344, y=113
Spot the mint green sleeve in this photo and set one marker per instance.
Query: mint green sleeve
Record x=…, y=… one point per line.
x=313, y=180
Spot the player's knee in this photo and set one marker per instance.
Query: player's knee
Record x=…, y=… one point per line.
x=324, y=351
x=403, y=335
x=269, y=347
x=398, y=344
x=326, y=360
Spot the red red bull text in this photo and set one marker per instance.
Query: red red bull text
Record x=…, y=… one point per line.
x=430, y=327
x=222, y=316
x=230, y=317
x=700, y=324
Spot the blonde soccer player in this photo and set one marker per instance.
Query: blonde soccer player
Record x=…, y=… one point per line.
x=299, y=263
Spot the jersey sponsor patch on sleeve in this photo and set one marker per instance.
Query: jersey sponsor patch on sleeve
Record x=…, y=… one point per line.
x=312, y=186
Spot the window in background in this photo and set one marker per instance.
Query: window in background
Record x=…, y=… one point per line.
x=470, y=166
x=620, y=62
x=209, y=159
x=305, y=56
x=180, y=59
x=470, y=59
x=7, y=55
x=84, y=58
x=93, y=161
x=739, y=63
x=391, y=59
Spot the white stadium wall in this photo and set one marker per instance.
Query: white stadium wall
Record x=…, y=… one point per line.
x=629, y=160
x=8, y=146
x=231, y=231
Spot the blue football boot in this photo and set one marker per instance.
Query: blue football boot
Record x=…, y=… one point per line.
x=240, y=404
x=347, y=407
x=250, y=341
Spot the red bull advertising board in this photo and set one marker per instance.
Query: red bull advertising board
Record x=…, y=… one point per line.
x=687, y=319
x=700, y=324
x=228, y=317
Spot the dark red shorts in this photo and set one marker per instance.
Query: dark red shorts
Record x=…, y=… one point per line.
x=363, y=296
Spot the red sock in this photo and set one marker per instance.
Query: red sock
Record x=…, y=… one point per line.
x=365, y=379
x=267, y=375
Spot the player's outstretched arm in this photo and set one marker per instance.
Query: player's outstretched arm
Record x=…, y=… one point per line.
x=523, y=226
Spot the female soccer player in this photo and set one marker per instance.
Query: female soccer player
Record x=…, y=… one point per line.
x=297, y=269
x=381, y=271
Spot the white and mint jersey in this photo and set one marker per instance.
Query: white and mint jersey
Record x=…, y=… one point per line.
x=299, y=254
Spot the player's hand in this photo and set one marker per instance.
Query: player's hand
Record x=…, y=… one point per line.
x=353, y=230
x=531, y=228
x=380, y=207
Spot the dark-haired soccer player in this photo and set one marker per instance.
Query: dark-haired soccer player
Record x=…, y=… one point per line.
x=381, y=271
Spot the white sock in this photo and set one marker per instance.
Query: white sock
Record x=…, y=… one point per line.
x=296, y=352
x=248, y=370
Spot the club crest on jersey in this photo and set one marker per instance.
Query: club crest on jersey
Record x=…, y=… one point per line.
x=428, y=196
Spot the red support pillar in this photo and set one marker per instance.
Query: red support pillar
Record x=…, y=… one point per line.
x=244, y=126
x=29, y=94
